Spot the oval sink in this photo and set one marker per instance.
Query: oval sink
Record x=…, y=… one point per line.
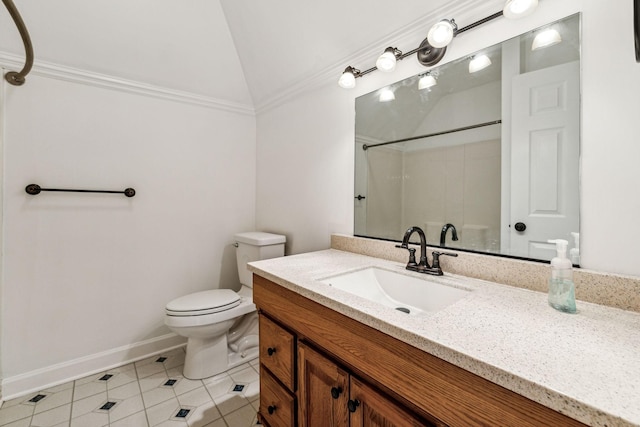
x=405, y=293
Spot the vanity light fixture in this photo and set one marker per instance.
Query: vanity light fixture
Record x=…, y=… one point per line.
x=515, y=9
x=386, y=95
x=14, y=77
x=427, y=81
x=348, y=77
x=434, y=46
x=546, y=38
x=387, y=61
x=441, y=34
x=479, y=62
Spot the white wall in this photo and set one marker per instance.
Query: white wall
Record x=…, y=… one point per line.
x=305, y=169
x=85, y=275
x=305, y=147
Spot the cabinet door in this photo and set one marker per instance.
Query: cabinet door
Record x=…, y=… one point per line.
x=323, y=390
x=277, y=351
x=277, y=405
x=369, y=408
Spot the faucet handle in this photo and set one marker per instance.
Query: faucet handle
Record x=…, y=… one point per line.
x=412, y=254
x=436, y=257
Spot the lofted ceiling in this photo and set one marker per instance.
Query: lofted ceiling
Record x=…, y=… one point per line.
x=245, y=52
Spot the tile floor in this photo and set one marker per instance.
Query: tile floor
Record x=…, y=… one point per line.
x=147, y=393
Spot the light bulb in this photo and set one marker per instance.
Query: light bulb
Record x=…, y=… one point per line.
x=386, y=95
x=441, y=34
x=478, y=63
x=515, y=9
x=426, y=81
x=347, y=79
x=387, y=61
x=546, y=38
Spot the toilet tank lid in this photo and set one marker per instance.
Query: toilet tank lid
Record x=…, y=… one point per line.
x=259, y=238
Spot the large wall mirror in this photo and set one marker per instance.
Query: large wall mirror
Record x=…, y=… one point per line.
x=484, y=149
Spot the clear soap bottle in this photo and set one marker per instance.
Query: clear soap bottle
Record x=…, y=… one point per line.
x=562, y=293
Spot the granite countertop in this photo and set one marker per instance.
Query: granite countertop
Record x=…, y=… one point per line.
x=584, y=365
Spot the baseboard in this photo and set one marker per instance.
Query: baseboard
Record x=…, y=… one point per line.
x=41, y=379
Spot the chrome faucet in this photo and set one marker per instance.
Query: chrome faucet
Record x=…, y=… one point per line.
x=443, y=233
x=422, y=266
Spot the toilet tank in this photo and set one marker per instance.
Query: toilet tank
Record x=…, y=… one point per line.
x=254, y=246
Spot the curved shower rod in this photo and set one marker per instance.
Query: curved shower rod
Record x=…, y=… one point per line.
x=14, y=77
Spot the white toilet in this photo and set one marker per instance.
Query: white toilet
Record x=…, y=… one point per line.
x=220, y=324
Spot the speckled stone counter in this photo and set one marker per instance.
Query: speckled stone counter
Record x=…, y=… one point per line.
x=585, y=365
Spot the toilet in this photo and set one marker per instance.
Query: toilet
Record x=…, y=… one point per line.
x=221, y=326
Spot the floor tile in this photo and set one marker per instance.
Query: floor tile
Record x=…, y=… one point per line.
x=157, y=395
x=122, y=378
x=88, y=379
x=172, y=423
x=217, y=423
x=87, y=389
x=196, y=397
x=52, y=417
x=126, y=408
x=162, y=412
x=53, y=400
x=243, y=417
x=253, y=391
x=25, y=422
x=15, y=412
x=219, y=385
x=125, y=391
x=149, y=369
x=139, y=419
x=174, y=359
x=228, y=403
x=245, y=375
x=60, y=387
x=204, y=414
x=91, y=419
x=87, y=405
x=153, y=381
x=185, y=385
x=142, y=401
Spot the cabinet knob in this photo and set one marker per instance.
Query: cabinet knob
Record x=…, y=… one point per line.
x=335, y=392
x=270, y=351
x=271, y=409
x=352, y=405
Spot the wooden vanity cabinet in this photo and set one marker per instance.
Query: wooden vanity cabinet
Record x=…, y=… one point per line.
x=394, y=383
x=330, y=396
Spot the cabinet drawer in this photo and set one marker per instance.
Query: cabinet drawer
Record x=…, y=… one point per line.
x=277, y=351
x=277, y=405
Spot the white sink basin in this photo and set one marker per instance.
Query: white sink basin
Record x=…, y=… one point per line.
x=404, y=293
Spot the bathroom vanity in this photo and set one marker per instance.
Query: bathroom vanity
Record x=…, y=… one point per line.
x=328, y=357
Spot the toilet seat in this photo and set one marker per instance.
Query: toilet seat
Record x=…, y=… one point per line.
x=203, y=303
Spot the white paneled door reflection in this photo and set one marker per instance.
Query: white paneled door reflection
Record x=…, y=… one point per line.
x=545, y=159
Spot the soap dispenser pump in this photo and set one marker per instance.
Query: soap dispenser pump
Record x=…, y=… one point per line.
x=561, y=288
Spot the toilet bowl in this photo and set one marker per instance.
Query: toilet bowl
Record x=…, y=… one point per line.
x=221, y=326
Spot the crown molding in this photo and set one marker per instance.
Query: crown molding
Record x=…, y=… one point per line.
x=74, y=75
x=406, y=38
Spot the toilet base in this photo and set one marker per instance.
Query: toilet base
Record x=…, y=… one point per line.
x=236, y=359
x=202, y=359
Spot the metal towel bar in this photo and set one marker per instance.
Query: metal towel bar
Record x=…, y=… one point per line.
x=34, y=189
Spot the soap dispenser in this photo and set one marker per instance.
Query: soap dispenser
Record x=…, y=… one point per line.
x=561, y=288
